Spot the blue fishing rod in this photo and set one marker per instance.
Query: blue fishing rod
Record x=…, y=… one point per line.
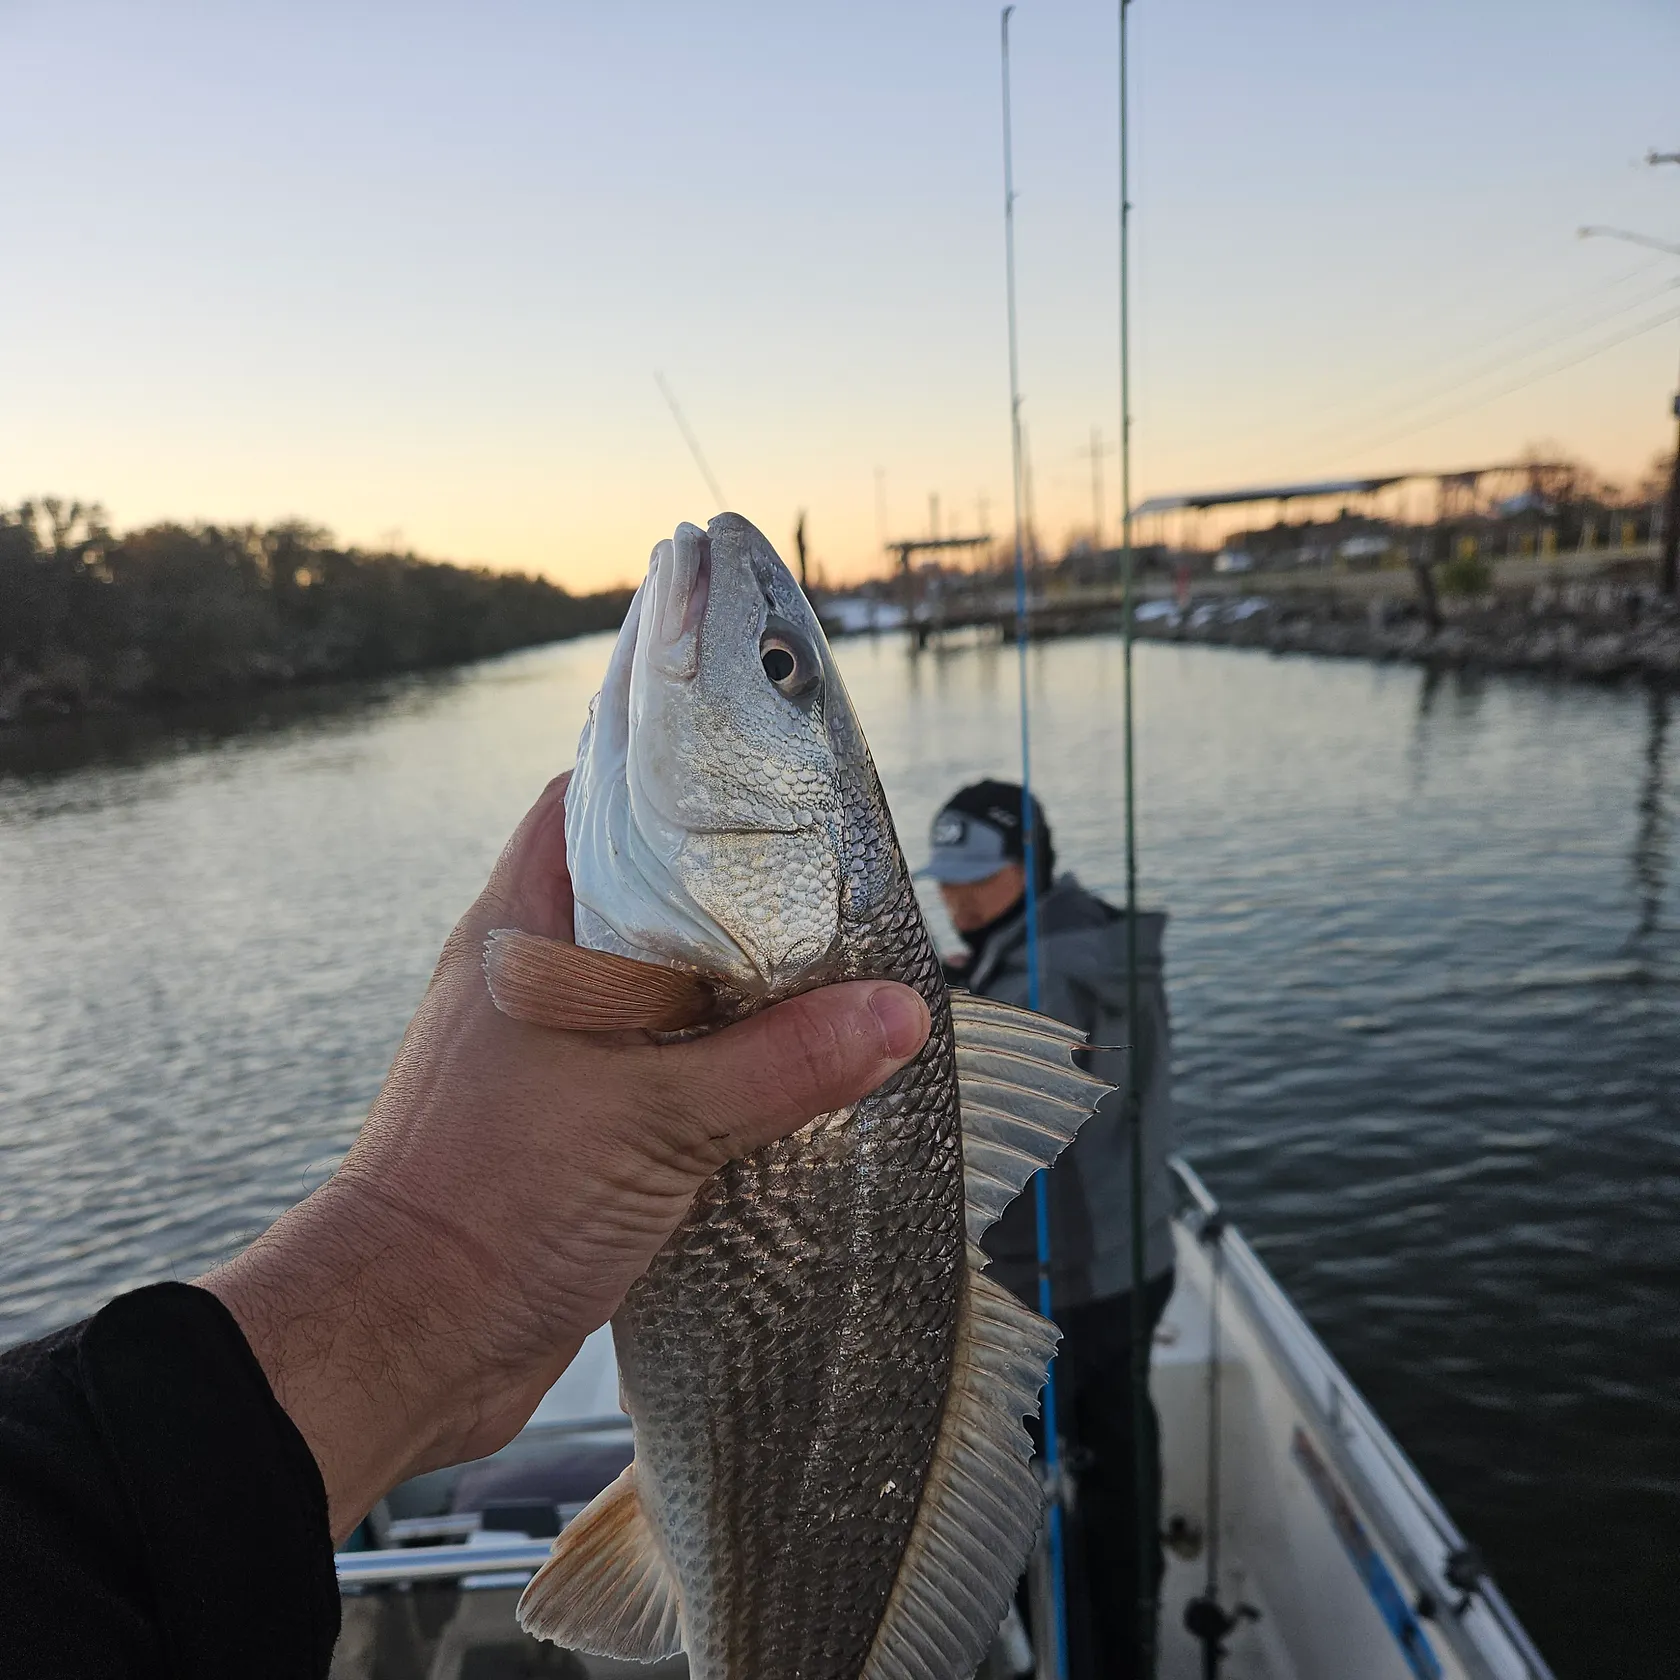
x=1041, y=1186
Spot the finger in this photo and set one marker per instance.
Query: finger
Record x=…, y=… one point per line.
x=767, y=1076
x=530, y=887
x=531, y=882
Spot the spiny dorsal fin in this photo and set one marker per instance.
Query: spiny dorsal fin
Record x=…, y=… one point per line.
x=981, y=1503
x=1022, y=1099
x=607, y=1590
x=552, y=983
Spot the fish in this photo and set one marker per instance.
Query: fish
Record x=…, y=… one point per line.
x=832, y=1478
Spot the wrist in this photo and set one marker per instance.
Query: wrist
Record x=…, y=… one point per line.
x=361, y=1320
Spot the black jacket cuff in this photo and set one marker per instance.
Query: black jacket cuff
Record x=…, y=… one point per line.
x=228, y=1503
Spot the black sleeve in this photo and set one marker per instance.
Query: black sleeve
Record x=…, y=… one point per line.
x=160, y=1515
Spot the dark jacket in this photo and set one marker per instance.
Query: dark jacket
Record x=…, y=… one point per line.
x=1082, y=981
x=161, y=1518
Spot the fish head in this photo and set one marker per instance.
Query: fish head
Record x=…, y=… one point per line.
x=715, y=805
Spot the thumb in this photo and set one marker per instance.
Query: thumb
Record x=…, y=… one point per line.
x=767, y=1076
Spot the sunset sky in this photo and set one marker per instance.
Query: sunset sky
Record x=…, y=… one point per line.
x=409, y=271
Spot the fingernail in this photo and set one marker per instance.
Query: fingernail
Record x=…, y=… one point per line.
x=903, y=1018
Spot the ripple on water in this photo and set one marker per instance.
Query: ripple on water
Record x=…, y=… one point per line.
x=1422, y=967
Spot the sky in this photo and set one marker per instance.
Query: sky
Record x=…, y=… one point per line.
x=409, y=272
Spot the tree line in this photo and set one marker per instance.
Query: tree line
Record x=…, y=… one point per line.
x=90, y=619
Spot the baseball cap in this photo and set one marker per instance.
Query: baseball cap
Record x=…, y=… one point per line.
x=978, y=831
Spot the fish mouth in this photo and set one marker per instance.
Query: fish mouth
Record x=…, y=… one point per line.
x=682, y=582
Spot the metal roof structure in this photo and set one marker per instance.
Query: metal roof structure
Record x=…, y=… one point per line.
x=1324, y=487
x=1268, y=493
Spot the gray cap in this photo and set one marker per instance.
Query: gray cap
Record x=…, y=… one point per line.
x=965, y=848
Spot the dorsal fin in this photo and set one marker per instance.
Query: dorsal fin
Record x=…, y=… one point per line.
x=1022, y=1102
x=1022, y=1099
x=981, y=1503
x=607, y=1590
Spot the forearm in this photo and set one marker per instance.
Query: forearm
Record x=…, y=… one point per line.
x=360, y=1313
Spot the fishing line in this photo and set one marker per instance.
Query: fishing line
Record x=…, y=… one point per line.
x=1029, y=860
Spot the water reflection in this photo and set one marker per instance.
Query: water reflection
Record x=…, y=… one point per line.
x=128, y=740
x=1651, y=835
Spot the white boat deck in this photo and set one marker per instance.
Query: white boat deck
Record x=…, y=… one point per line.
x=1324, y=1526
x=1254, y=1651
x=1325, y=1530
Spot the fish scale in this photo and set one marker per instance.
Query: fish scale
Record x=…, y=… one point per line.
x=739, y=1315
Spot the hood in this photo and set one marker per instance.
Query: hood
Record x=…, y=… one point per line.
x=1079, y=933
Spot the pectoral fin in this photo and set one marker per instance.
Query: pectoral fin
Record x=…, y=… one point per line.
x=1022, y=1099
x=552, y=983
x=607, y=1590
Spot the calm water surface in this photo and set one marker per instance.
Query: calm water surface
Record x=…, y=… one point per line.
x=1423, y=969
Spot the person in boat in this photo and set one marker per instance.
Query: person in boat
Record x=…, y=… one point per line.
x=978, y=858
x=174, y=1471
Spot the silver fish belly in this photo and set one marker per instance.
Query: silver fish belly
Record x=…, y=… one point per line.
x=786, y=1360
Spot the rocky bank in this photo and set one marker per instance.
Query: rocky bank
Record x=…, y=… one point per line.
x=1595, y=632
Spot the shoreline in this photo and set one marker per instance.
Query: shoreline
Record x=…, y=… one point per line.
x=1601, y=633
x=68, y=691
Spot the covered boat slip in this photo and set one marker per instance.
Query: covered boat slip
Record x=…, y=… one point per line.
x=1333, y=1560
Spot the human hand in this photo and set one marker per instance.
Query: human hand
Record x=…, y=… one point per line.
x=508, y=1186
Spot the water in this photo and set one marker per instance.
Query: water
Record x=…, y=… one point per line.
x=1422, y=965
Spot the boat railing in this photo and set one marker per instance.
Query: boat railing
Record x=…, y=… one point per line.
x=456, y=1545
x=404, y=1564
x=1430, y=1544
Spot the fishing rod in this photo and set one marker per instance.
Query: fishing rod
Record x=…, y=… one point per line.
x=1143, y=1442
x=690, y=439
x=1029, y=860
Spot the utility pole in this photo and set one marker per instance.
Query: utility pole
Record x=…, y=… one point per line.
x=1096, y=453
x=799, y=543
x=1669, y=570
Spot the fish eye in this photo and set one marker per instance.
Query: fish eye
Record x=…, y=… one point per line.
x=787, y=661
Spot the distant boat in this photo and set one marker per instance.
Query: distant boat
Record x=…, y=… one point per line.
x=1331, y=1558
